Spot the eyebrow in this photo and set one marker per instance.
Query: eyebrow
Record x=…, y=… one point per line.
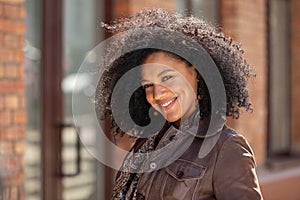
x=165, y=71
x=161, y=73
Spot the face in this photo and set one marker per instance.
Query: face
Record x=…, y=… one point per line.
x=170, y=86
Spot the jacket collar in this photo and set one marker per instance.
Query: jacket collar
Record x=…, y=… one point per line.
x=202, y=128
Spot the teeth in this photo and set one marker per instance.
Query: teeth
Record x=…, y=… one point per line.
x=168, y=103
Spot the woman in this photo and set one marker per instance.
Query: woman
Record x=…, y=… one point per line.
x=165, y=164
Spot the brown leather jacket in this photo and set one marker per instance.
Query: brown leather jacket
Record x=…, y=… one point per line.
x=227, y=172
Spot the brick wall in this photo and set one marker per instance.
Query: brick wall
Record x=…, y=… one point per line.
x=12, y=99
x=119, y=8
x=295, y=73
x=246, y=22
x=125, y=7
x=136, y=5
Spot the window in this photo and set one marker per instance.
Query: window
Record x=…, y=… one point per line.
x=208, y=10
x=279, y=82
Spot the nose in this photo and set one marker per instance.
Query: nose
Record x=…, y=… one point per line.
x=159, y=91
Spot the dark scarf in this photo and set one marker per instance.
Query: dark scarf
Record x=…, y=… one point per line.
x=126, y=182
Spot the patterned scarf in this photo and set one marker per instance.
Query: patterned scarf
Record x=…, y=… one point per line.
x=125, y=186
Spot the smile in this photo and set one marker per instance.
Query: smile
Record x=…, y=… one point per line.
x=168, y=104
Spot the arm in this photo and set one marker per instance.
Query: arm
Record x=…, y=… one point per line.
x=234, y=175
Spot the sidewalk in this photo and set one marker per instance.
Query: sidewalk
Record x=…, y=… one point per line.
x=280, y=184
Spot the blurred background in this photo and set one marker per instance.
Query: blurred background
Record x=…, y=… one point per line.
x=44, y=42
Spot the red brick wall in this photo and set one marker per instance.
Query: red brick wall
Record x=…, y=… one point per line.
x=246, y=22
x=136, y=5
x=12, y=99
x=125, y=7
x=295, y=73
x=119, y=8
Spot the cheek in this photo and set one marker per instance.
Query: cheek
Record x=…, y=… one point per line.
x=189, y=91
x=193, y=84
x=195, y=87
x=192, y=80
x=149, y=96
x=187, y=86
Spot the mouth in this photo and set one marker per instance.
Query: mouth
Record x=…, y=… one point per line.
x=167, y=105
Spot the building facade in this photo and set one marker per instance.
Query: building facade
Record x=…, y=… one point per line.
x=12, y=99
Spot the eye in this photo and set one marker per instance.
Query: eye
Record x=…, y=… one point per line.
x=165, y=78
x=147, y=85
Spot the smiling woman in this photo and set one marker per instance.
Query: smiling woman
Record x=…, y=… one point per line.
x=167, y=164
x=170, y=86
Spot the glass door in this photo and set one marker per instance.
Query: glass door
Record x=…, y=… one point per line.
x=59, y=35
x=84, y=175
x=32, y=51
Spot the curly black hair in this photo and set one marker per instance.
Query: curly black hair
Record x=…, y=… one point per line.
x=226, y=53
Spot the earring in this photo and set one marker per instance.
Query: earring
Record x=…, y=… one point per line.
x=199, y=97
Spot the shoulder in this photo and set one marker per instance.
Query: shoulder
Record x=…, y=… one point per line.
x=231, y=139
x=234, y=172
x=228, y=136
x=228, y=133
x=226, y=145
x=233, y=153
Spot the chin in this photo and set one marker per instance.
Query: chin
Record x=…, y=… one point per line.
x=173, y=119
